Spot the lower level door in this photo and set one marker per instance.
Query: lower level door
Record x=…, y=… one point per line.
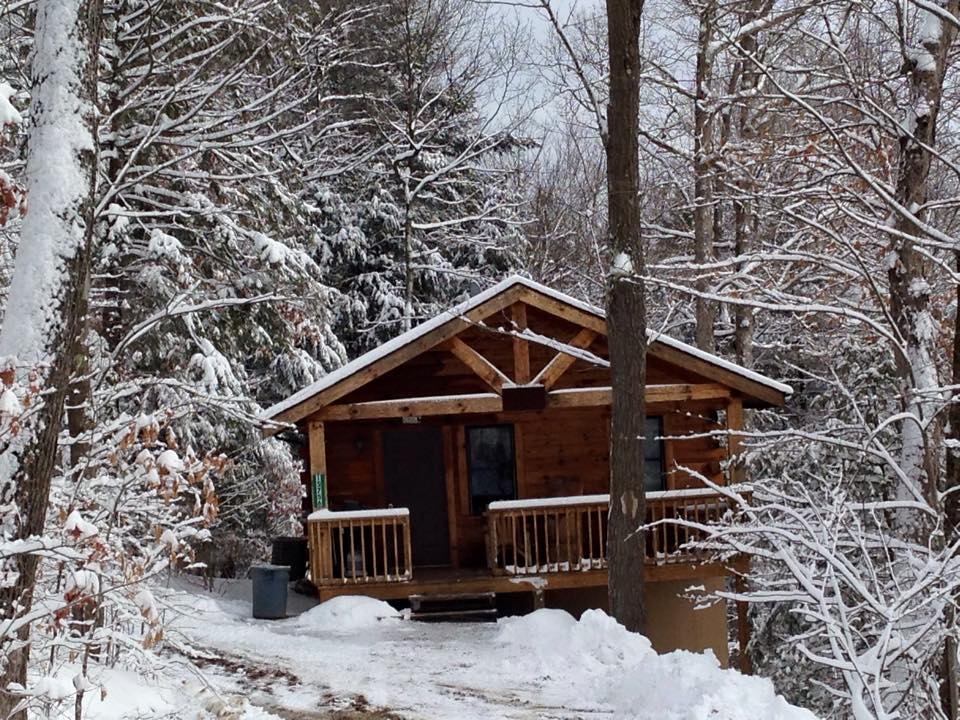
x=414, y=478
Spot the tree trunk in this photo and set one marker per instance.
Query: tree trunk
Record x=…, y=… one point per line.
x=703, y=211
x=910, y=308
x=909, y=290
x=745, y=217
x=950, y=693
x=44, y=316
x=408, y=266
x=626, y=319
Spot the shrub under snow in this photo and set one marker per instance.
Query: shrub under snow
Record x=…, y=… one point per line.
x=345, y=613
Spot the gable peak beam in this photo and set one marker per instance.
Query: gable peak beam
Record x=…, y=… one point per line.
x=483, y=403
x=562, y=361
x=521, y=348
x=563, y=310
x=482, y=368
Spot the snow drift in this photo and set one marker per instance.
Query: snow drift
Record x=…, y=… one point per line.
x=603, y=662
x=345, y=614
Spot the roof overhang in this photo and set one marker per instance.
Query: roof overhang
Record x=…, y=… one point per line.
x=756, y=389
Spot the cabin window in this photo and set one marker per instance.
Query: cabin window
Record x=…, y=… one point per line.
x=653, y=455
x=490, y=465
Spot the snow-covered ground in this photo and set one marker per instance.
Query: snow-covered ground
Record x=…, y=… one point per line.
x=357, y=652
x=358, y=658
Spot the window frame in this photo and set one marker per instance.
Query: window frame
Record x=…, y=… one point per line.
x=474, y=511
x=661, y=444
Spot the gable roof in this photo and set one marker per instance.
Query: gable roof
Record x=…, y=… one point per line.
x=448, y=323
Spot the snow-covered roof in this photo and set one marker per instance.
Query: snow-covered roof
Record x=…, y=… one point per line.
x=465, y=307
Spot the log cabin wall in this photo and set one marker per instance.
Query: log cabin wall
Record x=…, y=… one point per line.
x=557, y=453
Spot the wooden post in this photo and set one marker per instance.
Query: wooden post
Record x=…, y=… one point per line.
x=734, y=439
x=318, y=466
x=521, y=350
x=743, y=625
x=538, y=599
x=320, y=543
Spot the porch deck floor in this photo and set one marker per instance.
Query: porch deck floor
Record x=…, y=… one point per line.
x=452, y=581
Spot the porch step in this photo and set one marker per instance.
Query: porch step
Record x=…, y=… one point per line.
x=464, y=607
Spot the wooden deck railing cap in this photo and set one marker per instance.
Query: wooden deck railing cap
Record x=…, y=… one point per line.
x=337, y=515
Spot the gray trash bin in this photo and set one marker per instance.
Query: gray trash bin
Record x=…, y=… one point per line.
x=270, y=591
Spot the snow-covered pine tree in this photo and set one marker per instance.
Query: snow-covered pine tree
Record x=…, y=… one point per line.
x=207, y=301
x=423, y=216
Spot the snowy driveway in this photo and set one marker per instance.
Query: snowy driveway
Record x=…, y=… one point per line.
x=415, y=670
x=545, y=665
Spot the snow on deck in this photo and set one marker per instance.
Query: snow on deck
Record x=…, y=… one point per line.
x=358, y=514
x=568, y=500
x=533, y=503
x=465, y=307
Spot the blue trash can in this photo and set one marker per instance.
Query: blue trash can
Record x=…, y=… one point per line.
x=270, y=591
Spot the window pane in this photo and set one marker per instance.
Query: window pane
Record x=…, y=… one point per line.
x=490, y=462
x=653, y=470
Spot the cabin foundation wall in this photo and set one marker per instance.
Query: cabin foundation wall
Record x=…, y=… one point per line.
x=674, y=623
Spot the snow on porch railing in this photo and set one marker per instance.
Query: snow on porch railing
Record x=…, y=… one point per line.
x=361, y=546
x=569, y=534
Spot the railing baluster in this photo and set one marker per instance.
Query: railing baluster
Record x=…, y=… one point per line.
x=558, y=533
x=578, y=519
x=383, y=537
x=513, y=523
x=603, y=541
x=408, y=572
x=526, y=541
x=536, y=543
x=373, y=549
x=396, y=550
x=589, y=537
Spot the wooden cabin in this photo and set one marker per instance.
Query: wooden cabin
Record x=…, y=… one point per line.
x=471, y=455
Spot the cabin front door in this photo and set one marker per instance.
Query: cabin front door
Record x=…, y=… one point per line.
x=414, y=478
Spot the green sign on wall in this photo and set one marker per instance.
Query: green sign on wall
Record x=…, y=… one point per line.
x=319, y=491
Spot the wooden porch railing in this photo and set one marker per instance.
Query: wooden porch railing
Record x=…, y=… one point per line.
x=550, y=535
x=564, y=534
x=361, y=546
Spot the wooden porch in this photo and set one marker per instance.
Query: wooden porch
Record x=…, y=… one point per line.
x=532, y=545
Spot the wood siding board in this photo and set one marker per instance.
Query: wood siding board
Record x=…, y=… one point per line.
x=377, y=457
x=520, y=459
